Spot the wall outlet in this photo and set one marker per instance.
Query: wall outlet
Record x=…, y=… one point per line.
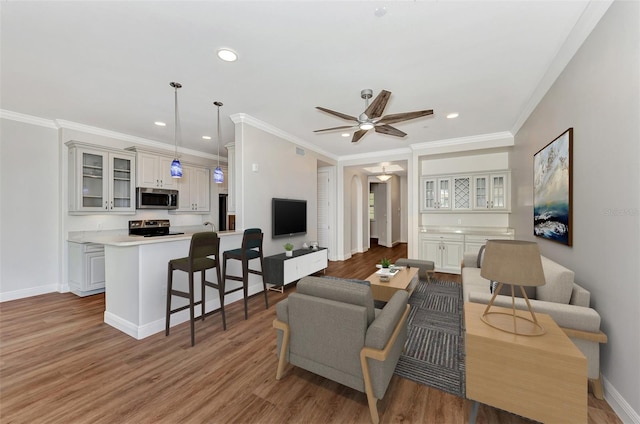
x=459, y=221
x=99, y=226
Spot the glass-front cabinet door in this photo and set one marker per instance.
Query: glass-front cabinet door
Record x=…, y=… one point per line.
x=498, y=192
x=428, y=194
x=480, y=192
x=444, y=193
x=100, y=181
x=122, y=183
x=93, y=170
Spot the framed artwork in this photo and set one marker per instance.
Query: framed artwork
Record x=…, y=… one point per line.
x=552, y=189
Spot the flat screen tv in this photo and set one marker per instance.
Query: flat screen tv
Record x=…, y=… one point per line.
x=289, y=217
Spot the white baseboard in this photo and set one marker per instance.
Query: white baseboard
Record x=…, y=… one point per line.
x=31, y=291
x=620, y=406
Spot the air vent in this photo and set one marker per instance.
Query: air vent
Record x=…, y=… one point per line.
x=299, y=151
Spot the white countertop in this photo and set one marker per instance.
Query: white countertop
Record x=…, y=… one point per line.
x=467, y=230
x=122, y=237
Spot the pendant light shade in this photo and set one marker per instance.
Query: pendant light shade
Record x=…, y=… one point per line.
x=176, y=167
x=384, y=177
x=218, y=175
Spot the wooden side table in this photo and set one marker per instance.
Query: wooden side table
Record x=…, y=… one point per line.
x=541, y=377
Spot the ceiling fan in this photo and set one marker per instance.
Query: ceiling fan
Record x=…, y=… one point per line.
x=370, y=118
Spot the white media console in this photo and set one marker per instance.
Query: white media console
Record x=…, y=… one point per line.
x=281, y=269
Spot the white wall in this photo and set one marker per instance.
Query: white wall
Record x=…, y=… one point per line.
x=269, y=166
x=29, y=210
x=598, y=95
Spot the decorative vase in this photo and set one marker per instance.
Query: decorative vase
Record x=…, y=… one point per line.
x=288, y=253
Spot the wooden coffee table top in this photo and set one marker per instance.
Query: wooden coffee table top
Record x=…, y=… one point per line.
x=401, y=281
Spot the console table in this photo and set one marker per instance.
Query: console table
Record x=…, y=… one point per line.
x=281, y=269
x=541, y=377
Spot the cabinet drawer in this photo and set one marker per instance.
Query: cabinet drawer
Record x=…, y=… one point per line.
x=443, y=237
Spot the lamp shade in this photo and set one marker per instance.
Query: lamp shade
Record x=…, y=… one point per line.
x=176, y=169
x=218, y=175
x=515, y=262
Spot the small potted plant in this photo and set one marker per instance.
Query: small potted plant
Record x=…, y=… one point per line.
x=385, y=263
x=288, y=249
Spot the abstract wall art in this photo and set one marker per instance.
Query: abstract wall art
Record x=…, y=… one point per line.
x=552, y=190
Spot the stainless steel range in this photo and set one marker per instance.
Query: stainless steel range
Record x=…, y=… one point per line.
x=150, y=228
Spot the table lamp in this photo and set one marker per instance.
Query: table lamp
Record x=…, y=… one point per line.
x=517, y=263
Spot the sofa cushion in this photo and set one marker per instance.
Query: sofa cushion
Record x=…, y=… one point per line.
x=559, y=283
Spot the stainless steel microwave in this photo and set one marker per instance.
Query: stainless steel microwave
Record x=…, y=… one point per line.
x=156, y=198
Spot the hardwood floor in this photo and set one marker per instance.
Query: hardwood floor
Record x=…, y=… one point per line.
x=60, y=363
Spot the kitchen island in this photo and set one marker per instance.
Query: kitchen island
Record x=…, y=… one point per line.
x=136, y=278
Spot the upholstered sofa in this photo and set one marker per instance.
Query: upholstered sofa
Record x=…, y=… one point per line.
x=331, y=328
x=561, y=298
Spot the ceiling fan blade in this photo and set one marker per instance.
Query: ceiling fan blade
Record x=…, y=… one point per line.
x=338, y=114
x=399, y=117
x=335, y=128
x=358, y=135
x=389, y=130
x=376, y=108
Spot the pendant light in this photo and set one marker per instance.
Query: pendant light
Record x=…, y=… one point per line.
x=218, y=175
x=384, y=177
x=176, y=167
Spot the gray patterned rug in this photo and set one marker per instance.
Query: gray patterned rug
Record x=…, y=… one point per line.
x=434, y=352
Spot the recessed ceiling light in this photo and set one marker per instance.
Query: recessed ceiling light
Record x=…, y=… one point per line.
x=206, y=137
x=227, y=55
x=160, y=124
x=345, y=135
x=380, y=12
x=453, y=115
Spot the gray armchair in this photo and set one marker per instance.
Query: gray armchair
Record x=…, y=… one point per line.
x=331, y=328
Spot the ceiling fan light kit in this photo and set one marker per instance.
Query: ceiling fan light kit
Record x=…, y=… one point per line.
x=372, y=119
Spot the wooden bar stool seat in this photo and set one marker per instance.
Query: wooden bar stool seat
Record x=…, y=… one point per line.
x=203, y=246
x=251, y=249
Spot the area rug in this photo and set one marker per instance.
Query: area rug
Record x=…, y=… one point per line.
x=434, y=351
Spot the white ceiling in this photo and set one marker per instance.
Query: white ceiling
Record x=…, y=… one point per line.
x=109, y=64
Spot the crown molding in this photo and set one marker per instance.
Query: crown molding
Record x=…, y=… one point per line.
x=243, y=118
x=481, y=141
x=130, y=138
x=28, y=119
x=587, y=21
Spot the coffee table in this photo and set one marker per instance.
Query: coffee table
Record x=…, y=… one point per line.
x=405, y=279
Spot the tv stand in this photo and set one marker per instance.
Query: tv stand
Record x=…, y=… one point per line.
x=280, y=269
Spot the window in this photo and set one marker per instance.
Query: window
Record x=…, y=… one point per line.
x=372, y=203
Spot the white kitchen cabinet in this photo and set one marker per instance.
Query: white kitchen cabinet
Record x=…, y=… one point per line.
x=491, y=192
x=444, y=250
x=154, y=171
x=86, y=268
x=473, y=243
x=100, y=180
x=461, y=193
x=445, y=246
x=435, y=194
x=194, y=189
x=485, y=192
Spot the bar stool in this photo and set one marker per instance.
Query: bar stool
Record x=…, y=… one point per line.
x=251, y=249
x=203, y=245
